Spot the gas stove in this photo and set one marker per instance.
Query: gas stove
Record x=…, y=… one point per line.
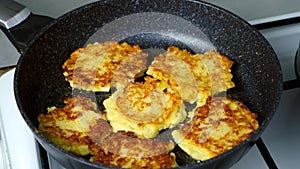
x=280, y=27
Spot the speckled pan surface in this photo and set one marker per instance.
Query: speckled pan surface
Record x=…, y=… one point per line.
x=194, y=25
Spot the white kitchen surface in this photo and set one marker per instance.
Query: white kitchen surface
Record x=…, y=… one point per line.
x=17, y=145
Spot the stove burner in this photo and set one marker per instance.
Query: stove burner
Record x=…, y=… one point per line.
x=297, y=62
x=291, y=84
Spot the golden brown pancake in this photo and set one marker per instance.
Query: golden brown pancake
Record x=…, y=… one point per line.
x=198, y=76
x=170, y=68
x=218, y=73
x=216, y=127
x=145, y=108
x=82, y=130
x=67, y=126
x=127, y=151
x=98, y=66
x=124, y=135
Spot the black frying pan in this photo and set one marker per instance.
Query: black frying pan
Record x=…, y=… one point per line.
x=194, y=25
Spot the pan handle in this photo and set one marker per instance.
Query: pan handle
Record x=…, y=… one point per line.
x=19, y=24
x=12, y=13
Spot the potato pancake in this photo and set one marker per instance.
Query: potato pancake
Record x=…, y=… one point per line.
x=80, y=129
x=121, y=150
x=126, y=134
x=198, y=76
x=170, y=68
x=145, y=108
x=100, y=65
x=216, y=127
x=217, y=77
x=67, y=126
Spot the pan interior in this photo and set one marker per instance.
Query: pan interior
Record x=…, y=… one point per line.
x=154, y=25
x=139, y=28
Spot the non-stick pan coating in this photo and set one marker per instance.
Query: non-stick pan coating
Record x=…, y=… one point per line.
x=39, y=82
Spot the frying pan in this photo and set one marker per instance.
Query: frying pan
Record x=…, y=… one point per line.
x=195, y=25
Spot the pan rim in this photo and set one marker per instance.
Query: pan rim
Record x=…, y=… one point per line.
x=250, y=140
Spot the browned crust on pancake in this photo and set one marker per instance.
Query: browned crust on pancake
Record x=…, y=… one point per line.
x=215, y=74
x=67, y=126
x=73, y=129
x=171, y=69
x=97, y=66
x=197, y=76
x=128, y=152
x=220, y=70
x=145, y=108
x=218, y=126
